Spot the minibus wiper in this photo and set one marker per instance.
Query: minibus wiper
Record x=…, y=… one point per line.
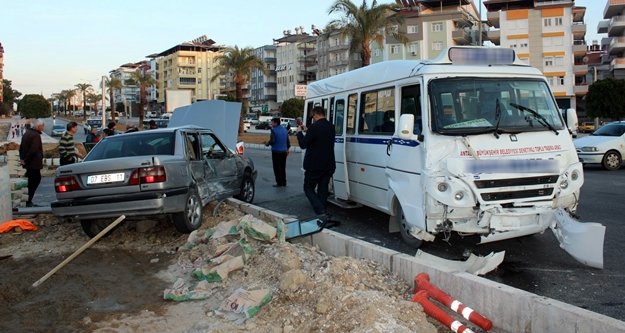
x=539, y=117
x=497, y=118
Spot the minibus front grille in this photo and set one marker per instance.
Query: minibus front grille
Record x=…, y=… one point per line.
x=498, y=196
x=528, y=181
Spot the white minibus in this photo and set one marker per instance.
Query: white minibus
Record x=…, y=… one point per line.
x=471, y=142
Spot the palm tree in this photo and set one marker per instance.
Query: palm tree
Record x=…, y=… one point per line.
x=363, y=25
x=67, y=95
x=84, y=87
x=113, y=84
x=239, y=63
x=93, y=100
x=143, y=80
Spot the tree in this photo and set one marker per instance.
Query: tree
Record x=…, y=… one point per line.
x=93, y=100
x=292, y=108
x=33, y=106
x=239, y=63
x=363, y=25
x=113, y=84
x=84, y=88
x=9, y=96
x=143, y=80
x=606, y=99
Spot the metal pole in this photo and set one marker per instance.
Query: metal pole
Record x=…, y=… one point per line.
x=480, y=26
x=103, y=103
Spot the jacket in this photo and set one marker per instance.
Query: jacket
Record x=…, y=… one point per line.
x=31, y=149
x=319, y=145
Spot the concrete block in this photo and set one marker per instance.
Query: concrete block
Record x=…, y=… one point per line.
x=360, y=249
x=550, y=315
x=332, y=243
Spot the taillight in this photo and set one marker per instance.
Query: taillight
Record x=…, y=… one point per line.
x=65, y=184
x=148, y=175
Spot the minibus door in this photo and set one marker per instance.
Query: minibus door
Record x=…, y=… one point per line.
x=340, y=180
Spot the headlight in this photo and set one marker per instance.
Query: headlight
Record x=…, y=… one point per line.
x=459, y=196
x=442, y=187
x=574, y=175
x=589, y=149
x=564, y=184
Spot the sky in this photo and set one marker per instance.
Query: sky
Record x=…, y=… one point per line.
x=53, y=45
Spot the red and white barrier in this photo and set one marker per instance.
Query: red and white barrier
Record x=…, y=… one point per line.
x=437, y=313
x=422, y=282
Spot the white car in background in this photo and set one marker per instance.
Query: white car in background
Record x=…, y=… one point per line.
x=605, y=146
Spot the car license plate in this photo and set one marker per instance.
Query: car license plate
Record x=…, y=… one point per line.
x=105, y=178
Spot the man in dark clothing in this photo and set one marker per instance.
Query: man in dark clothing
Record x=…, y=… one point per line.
x=280, y=145
x=319, y=159
x=31, y=157
x=152, y=124
x=111, y=127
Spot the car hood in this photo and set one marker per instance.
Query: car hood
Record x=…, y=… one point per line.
x=593, y=141
x=220, y=116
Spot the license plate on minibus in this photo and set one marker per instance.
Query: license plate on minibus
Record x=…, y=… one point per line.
x=105, y=178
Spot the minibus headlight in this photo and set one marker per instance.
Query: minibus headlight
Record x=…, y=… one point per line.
x=574, y=175
x=564, y=184
x=459, y=196
x=442, y=187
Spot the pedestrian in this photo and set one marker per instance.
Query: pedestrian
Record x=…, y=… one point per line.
x=131, y=128
x=31, y=157
x=280, y=145
x=111, y=127
x=93, y=136
x=319, y=159
x=67, y=150
x=13, y=131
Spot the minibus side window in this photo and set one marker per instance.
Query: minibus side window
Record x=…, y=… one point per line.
x=411, y=104
x=309, y=108
x=339, y=114
x=377, y=113
x=351, y=113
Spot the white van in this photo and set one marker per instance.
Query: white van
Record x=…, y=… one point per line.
x=472, y=142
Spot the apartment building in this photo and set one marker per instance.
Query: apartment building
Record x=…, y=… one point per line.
x=549, y=35
x=295, y=63
x=614, y=26
x=334, y=56
x=263, y=86
x=129, y=92
x=430, y=27
x=189, y=66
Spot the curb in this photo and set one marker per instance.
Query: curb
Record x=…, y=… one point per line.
x=515, y=310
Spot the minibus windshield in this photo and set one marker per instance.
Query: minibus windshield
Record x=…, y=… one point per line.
x=467, y=105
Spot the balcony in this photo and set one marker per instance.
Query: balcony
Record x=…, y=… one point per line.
x=613, y=7
x=617, y=63
x=494, y=36
x=579, y=48
x=461, y=37
x=338, y=63
x=617, y=45
x=493, y=19
x=602, y=27
x=270, y=84
x=462, y=21
x=578, y=14
x=580, y=69
x=340, y=47
x=616, y=26
x=270, y=60
x=580, y=89
x=578, y=30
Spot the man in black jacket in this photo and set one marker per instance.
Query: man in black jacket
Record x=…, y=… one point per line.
x=319, y=159
x=31, y=157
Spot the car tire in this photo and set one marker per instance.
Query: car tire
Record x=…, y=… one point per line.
x=191, y=218
x=403, y=228
x=248, y=189
x=611, y=160
x=93, y=227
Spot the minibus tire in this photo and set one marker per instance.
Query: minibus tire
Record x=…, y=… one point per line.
x=403, y=228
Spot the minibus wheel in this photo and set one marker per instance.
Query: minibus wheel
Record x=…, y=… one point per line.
x=404, y=228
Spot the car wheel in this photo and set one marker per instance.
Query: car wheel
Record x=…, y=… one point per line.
x=247, y=190
x=403, y=228
x=191, y=218
x=611, y=160
x=93, y=227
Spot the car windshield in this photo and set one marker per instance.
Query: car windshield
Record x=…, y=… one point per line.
x=476, y=105
x=140, y=144
x=59, y=127
x=94, y=122
x=610, y=130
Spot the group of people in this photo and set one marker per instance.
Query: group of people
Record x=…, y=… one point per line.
x=319, y=163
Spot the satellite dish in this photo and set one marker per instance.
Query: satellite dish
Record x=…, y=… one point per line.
x=585, y=60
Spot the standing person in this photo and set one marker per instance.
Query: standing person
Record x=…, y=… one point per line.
x=152, y=124
x=111, y=127
x=280, y=145
x=67, y=151
x=92, y=137
x=319, y=159
x=31, y=157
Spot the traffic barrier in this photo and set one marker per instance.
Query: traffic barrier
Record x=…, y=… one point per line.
x=437, y=313
x=422, y=282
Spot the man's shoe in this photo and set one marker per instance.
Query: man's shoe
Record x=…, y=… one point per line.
x=275, y=185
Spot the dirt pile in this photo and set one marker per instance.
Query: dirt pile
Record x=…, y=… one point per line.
x=311, y=292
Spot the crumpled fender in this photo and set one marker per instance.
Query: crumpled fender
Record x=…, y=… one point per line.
x=583, y=241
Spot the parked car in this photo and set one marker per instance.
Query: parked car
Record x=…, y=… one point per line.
x=92, y=122
x=151, y=114
x=605, y=146
x=58, y=130
x=246, y=126
x=171, y=171
x=586, y=127
x=263, y=125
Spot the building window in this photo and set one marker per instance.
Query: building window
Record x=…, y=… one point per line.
x=412, y=29
x=557, y=21
x=414, y=48
x=524, y=44
x=437, y=26
x=394, y=29
x=547, y=22
x=394, y=49
x=437, y=46
x=376, y=52
x=199, y=70
x=548, y=62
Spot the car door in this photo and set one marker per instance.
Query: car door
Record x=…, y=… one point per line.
x=196, y=164
x=221, y=168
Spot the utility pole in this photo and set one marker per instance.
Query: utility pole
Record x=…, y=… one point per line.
x=103, y=105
